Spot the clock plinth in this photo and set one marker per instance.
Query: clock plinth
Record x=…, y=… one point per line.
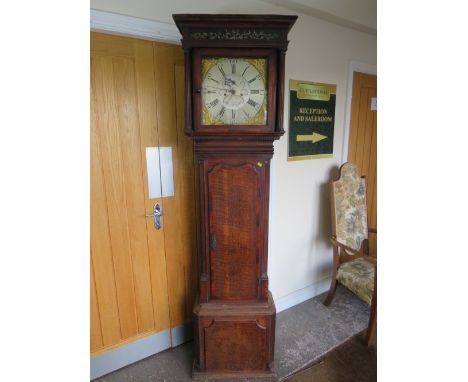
x=234, y=78
x=234, y=340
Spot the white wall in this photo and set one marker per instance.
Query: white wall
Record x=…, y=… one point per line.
x=300, y=255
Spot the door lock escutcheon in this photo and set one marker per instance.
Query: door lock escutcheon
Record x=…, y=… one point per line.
x=213, y=242
x=156, y=215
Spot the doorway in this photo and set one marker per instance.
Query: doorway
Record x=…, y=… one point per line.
x=143, y=278
x=362, y=144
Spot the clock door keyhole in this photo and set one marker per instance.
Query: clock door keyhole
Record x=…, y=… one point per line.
x=213, y=241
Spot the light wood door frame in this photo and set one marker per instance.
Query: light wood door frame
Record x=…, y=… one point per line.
x=354, y=69
x=360, y=67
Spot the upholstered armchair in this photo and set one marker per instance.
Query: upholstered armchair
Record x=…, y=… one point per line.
x=352, y=265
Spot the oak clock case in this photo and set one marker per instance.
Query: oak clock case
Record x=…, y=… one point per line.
x=234, y=81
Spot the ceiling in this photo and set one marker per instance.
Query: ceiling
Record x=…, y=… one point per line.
x=360, y=15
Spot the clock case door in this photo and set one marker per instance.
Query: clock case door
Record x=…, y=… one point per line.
x=269, y=54
x=236, y=229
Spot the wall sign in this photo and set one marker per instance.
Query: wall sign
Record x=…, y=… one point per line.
x=311, y=120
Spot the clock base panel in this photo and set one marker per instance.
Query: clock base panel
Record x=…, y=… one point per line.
x=234, y=340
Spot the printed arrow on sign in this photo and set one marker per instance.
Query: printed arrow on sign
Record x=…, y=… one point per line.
x=314, y=137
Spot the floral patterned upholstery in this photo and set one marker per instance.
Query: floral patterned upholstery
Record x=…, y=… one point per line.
x=350, y=207
x=358, y=276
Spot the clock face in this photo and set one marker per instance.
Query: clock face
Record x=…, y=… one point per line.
x=234, y=91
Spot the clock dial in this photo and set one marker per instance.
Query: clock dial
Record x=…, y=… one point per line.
x=234, y=91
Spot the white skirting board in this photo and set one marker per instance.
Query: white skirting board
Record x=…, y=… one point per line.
x=301, y=295
x=125, y=355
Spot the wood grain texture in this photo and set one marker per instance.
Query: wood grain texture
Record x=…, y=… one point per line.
x=128, y=265
x=186, y=155
x=96, y=332
x=101, y=251
x=127, y=104
x=362, y=147
x=235, y=198
x=179, y=210
x=113, y=174
x=229, y=344
x=234, y=340
x=147, y=106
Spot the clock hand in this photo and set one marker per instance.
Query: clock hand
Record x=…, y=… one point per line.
x=217, y=88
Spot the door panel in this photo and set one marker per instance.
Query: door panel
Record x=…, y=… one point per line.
x=362, y=148
x=180, y=211
x=102, y=261
x=148, y=132
x=133, y=106
x=234, y=269
x=96, y=333
x=117, y=134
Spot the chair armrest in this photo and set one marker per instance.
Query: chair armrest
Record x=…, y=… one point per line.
x=345, y=247
x=336, y=243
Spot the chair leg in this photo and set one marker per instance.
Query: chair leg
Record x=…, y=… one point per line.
x=373, y=314
x=331, y=292
x=372, y=325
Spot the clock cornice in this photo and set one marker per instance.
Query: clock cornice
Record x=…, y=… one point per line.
x=228, y=30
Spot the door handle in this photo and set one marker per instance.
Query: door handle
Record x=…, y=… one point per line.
x=156, y=215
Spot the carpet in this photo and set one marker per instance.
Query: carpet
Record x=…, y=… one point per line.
x=304, y=333
x=350, y=362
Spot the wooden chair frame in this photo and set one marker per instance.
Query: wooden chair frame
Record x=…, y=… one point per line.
x=342, y=254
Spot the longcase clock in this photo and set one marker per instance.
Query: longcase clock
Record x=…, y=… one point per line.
x=234, y=78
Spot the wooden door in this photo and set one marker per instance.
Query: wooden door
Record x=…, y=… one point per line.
x=141, y=277
x=362, y=148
